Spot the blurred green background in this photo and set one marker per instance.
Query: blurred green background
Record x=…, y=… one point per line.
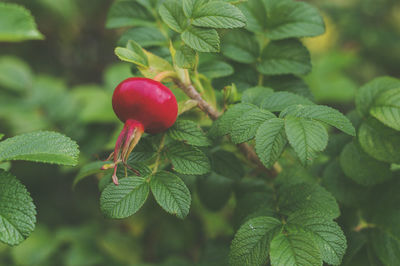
x=65, y=82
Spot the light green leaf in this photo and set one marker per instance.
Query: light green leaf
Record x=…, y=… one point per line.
x=278, y=101
x=17, y=24
x=307, y=137
x=216, y=69
x=187, y=159
x=15, y=74
x=156, y=65
x=42, y=146
x=367, y=94
x=327, y=235
x=295, y=248
x=246, y=125
x=125, y=199
x=282, y=19
x=256, y=95
x=189, y=132
x=17, y=212
x=171, y=193
x=171, y=11
x=386, y=108
x=270, y=141
x=144, y=36
x=240, y=46
x=251, y=243
x=362, y=168
x=306, y=197
x=202, y=40
x=127, y=13
x=379, y=141
x=285, y=57
x=217, y=14
x=1, y=135
x=224, y=123
x=323, y=114
x=185, y=57
x=133, y=53
x=88, y=170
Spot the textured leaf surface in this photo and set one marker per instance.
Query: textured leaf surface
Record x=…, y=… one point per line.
x=127, y=13
x=289, y=83
x=17, y=212
x=323, y=114
x=278, y=101
x=282, y=19
x=367, y=94
x=171, y=193
x=270, y=141
x=256, y=95
x=362, y=168
x=386, y=108
x=307, y=137
x=185, y=57
x=133, y=53
x=187, y=159
x=171, y=11
x=216, y=69
x=285, y=57
x=144, y=36
x=125, y=199
x=202, y=40
x=246, y=126
x=227, y=164
x=240, y=46
x=326, y=233
x=42, y=146
x=379, y=141
x=251, y=243
x=189, y=132
x=294, y=249
x=17, y=24
x=218, y=14
x=305, y=197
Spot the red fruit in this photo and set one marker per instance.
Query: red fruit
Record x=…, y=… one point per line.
x=144, y=105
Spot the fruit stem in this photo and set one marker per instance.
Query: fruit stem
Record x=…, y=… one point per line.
x=164, y=75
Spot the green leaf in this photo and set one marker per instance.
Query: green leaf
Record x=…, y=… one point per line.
x=1, y=135
x=323, y=114
x=362, y=168
x=289, y=83
x=187, y=159
x=15, y=74
x=220, y=15
x=282, y=19
x=171, y=193
x=127, y=13
x=270, y=141
x=88, y=170
x=189, y=132
x=240, y=46
x=214, y=190
x=133, y=53
x=202, y=40
x=42, y=146
x=256, y=95
x=386, y=247
x=379, y=141
x=156, y=65
x=216, y=69
x=278, y=101
x=386, y=108
x=307, y=137
x=171, y=12
x=305, y=196
x=251, y=243
x=125, y=199
x=17, y=212
x=17, y=24
x=285, y=57
x=367, y=94
x=224, y=123
x=144, y=36
x=143, y=151
x=246, y=126
x=295, y=248
x=227, y=164
x=185, y=57
x=327, y=235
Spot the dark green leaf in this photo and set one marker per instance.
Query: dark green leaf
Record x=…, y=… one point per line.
x=144, y=36
x=240, y=46
x=88, y=170
x=216, y=69
x=187, y=159
x=227, y=164
x=189, y=132
x=214, y=190
x=278, y=101
x=256, y=95
x=127, y=13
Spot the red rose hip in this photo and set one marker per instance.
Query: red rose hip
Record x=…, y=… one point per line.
x=144, y=105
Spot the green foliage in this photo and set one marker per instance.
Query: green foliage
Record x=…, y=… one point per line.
x=127, y=13
x=133, y=53
x=189, y=132
x=202, y=40
x=185, y=57
x=45, y=146
x=386, y=108
x=17, y=24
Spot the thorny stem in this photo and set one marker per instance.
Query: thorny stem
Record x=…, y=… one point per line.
x=157, y=162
